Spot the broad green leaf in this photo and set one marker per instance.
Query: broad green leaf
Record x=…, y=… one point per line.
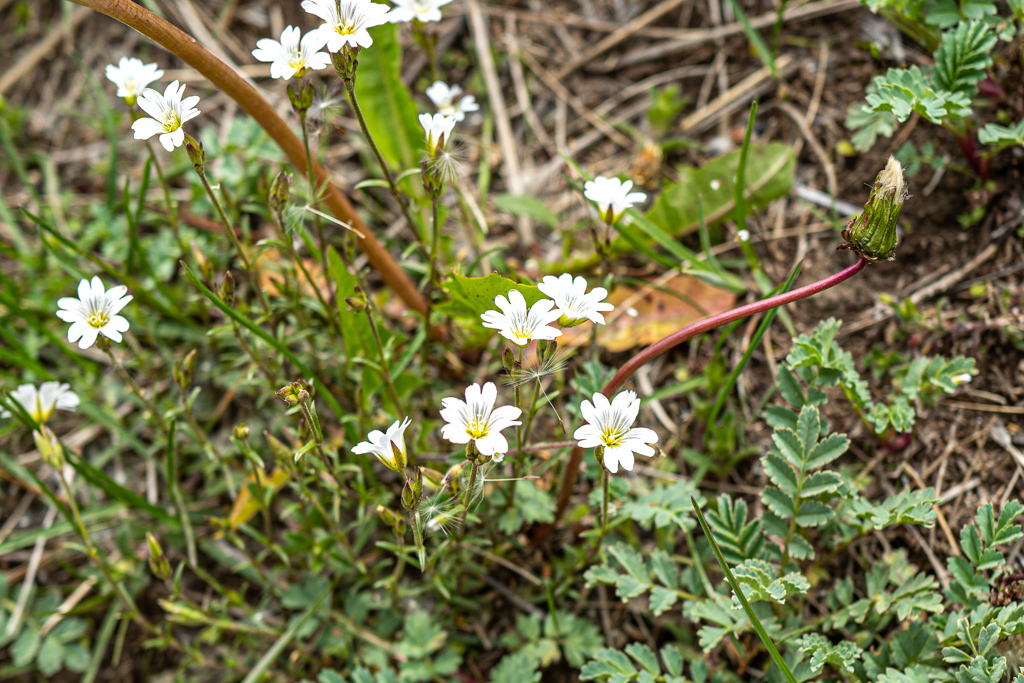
x=826, y=451
x=768, y=175
x=790, y=446
x=781, y=473
x=523, y=205
x=813, y=514
x=644, y=656
x=472, y=296
x=662, y=599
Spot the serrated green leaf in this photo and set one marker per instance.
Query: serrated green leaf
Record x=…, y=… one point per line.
x=826, y=451
x=779, y=503
x=813, y=514
x=781, y=473
x=820, y=483
x=965, y=53
x=790, y=446
x=644, y=656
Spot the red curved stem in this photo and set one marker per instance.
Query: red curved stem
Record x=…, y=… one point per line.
x=677, y=338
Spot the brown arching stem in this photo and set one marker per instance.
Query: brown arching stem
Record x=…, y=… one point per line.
x=675, y=339
x=186, y=48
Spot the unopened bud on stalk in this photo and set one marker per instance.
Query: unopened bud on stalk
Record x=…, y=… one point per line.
x=158, y=563
x=345, y=62
x=301, y=98
x=195, y=153
x=386, y=516
x=280, y=190
x=508, y=360
x=355, y=305
x=205, y=269
x=872, y=233
x=226, y=291
x=49, y=447
x=546, y=349
x=241, y=432
x=293, y=393
x=599, y=456
x=183, y=370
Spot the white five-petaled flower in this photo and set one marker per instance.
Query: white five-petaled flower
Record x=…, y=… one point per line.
x=444, y=98
x=131, y=77
x=962, y=378
x=611, y=425
x=612, y=196
x=347, y=24
x=520, y=325
x=40, y=403
x=95, y=311
x=420, y=10
x=438, y=129
x=573, y=301
x=477, y=420
x=388, y=447
x=295, y=54
x=169, y=113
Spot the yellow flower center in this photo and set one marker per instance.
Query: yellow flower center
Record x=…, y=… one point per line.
x=612, y=438
x=98, y=319
x=476, y=429
x=172, y=121
x=346, y=27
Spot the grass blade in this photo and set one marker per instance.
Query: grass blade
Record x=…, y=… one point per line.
x=174, y=482
x=265, y=336
x=761, y=48
x=754, y=621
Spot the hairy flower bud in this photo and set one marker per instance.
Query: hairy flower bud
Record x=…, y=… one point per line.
x=158, y=563
x=227, y=289
x=508, y=361
x=301, y=97
x=872, y=233
x=387, y=516
x=280, y=191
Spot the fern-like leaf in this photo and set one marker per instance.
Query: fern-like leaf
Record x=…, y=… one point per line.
x=962, y=58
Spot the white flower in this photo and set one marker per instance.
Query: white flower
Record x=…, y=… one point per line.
x=438, y=128
x=94, y=311
x=348, y=24
x=420, y=10
x=962, y=379
x=612, y=196
x=444, y=98
x=292, y=56
x=519, y=325
x=609, y=426
x=389, y=447
x=476, y=419
x=41, y=403
x=131, y=76
x=573, y=301
x=169, y=112
x=743, y=236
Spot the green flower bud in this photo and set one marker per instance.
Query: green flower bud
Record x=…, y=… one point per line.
x=241, y=432
x=546, y=349
x=872, y=233
x=355, y=305
x=227, y=289
x=49, y=447
x=183, y=370
x=387, y=516
x=302, y=97
x=195, y=153
x=158, y=563
x=508, y=360
x=280, y=191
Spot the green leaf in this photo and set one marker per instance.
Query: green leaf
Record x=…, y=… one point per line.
x=50, y=659
x=790, y=446
x=25, y=648
x=904, y=91
x=841, y=656
x=388, y=107
x=524, y=205
x=826, y=451
x=868, y=124
x=473, y=296
x=644, y=656
x=1005, y=530
x=964, y=54
x=515, y=668
x=768, y=175
x=812, y=514
x=662, y=599
x=820, y=483
x=664, y=506
x=779, y=503
x=781, y=473
x=607, y=664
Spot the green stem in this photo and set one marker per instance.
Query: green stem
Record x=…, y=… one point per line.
x=313, y=191
x=417, y=535
x=150, y=405
x=467, y=496
x=350, y=91
x=385, y=370
x=432, y=278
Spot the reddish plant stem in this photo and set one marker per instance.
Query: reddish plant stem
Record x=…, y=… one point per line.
x=675, y=339
x=186, y=48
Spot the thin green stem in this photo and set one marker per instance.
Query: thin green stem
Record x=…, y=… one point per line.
x=467, y=496
x=313, y=192
x=350, y=91
x=150, y=405
x=435, y=247
x=385, y=370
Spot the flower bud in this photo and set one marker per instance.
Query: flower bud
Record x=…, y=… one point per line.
x=387, y=516
x=183, y=370
x=398, y=463
x=546, y=349
x=205, y=269
x=599, y=456
x=508, y=360
x=241, y=432
x=49, y=447
x=158, y=563
x=355, y=305
x=413, y=490
x=301, y=98
x=293, y=393
x=872, y=233
x=195, y=153
x=226, y=291
x=280, y=191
